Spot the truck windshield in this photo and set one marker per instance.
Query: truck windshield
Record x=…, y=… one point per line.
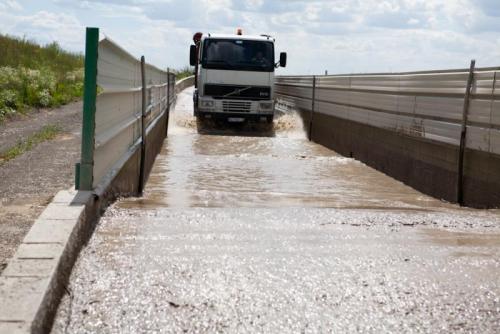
x=239, y=55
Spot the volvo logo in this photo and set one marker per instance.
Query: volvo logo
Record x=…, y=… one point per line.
x=238, y=91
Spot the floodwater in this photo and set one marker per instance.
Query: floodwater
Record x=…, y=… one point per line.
x=251, y=166
x=247, y=229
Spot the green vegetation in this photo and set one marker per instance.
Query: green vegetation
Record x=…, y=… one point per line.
x=48, y=132
x=37, y=76
x=184, y=72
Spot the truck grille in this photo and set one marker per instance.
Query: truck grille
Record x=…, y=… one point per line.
x=236, y=92
x=236, y=106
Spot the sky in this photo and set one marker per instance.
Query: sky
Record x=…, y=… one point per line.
x=338, y=36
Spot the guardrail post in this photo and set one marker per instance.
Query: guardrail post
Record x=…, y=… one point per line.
x=143, y=127
x=161, y=95
x=168, y=100
x=463, y=136
x=312, y=107
x=85, y=170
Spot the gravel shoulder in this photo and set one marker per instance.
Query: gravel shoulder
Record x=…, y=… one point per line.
x=28, y=182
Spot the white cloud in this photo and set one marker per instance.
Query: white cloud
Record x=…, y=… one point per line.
x=11, y=5
x=338, y=35
x=45, y=27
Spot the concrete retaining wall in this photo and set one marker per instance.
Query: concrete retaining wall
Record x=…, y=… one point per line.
x=379, y=123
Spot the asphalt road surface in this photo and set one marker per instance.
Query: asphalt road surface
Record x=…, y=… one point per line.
x=250, y=230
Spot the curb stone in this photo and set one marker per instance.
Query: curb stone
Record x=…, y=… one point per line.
x=35, y=278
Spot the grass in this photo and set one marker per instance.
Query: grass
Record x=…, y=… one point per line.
x=32, y=75
x=184, y=72
x=20, y=52
x=48, y=132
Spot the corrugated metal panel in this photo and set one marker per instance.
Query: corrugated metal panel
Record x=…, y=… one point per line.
x=374, y=101
x=298, y=91
x=106, y=156
x=442, y=131
x=116, y=69
x=406, y=104
x=330, y=82
x=480, y=111
x=375, y=83
x=483, y=83
x=119, y=104
x=433, y=84
x=495, y=102
x=421, y=104
x=495, y=113
x=114, y=109
x=333, y=110
x=333, y=96
x=440, y=107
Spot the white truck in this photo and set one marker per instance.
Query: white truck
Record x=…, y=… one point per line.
x=234, y=76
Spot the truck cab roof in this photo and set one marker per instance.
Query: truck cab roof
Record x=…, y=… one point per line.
x=239, y=37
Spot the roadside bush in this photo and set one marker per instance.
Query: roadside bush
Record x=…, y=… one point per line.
x=38, y=88
x=36, y=76
x=10, y=89
x=9, y=102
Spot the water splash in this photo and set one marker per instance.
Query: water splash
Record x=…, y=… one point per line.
x=182, y=120
x=289, y=125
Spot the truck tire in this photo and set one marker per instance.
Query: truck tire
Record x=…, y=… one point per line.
x=195, y=103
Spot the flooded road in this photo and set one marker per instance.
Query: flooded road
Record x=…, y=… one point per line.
x=245, y=230
x=225, y=169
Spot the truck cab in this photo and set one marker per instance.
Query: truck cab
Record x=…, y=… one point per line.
x=234, y=76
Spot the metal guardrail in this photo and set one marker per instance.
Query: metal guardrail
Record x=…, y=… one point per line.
x=456, y=107
x=426, y=104
x=124, y=98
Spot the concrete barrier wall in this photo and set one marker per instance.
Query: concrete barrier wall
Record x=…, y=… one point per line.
x=409, y=126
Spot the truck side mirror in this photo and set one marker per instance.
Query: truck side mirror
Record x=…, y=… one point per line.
x=283, y=59
x=192, y=55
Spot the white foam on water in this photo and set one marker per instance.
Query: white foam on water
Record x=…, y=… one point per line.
x=182, y=120
x=289, y=125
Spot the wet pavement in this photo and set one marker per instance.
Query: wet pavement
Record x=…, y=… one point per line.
x=245, y=229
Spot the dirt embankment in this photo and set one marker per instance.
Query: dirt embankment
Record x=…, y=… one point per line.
x=28, y=182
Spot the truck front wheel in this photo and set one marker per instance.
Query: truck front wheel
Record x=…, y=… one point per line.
x=195, y=103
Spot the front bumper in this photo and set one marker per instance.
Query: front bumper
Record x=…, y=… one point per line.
x=237, y=108
x=236, y=116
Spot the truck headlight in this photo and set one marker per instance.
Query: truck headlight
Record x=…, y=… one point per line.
x=207, y=104
x=266, y=105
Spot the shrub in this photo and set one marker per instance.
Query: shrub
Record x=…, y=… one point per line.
x=32, y=75
x=9, y=102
